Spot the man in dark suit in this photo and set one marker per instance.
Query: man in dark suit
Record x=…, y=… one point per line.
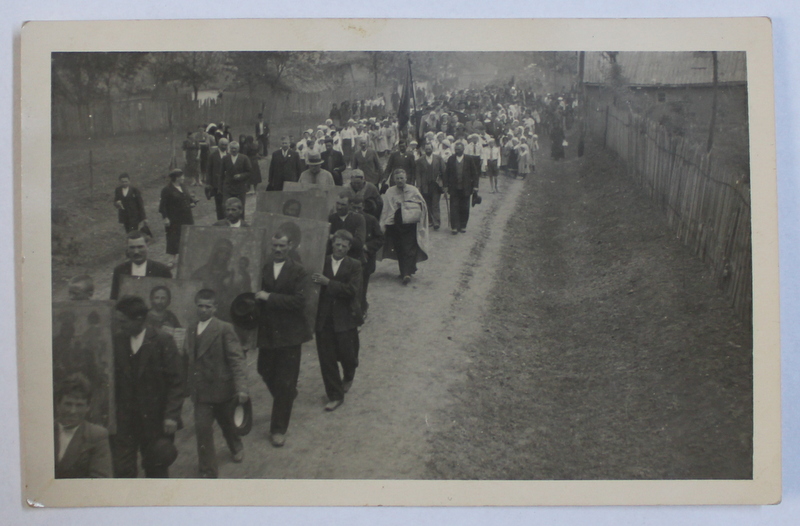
x=333, y=162
x=344, y=219
x=430, y=174
x=217, y=381
x=236, y=169
x=372, y=243
x=81, y=449
x=338, y=318
x=137, y=264
x=282, y=329
x=148, y=393
x=461, y=179
x=284, y=166
x=367, y=161
x=130, y=206
x=400, y=158
x=215, y=176
x=262, y=135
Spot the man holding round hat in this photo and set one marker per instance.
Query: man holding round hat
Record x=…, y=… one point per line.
x=315, y=174
x=282, y=329
x=217, y=381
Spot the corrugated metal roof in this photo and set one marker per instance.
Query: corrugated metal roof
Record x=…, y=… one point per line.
x=667, y=68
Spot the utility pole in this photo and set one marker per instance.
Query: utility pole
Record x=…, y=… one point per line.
x=713, y=102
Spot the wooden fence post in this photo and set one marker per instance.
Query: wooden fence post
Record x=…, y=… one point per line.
x=605, y=130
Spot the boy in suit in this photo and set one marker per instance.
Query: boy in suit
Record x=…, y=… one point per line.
x=82, y=449
x=338, y=318
x=217, y=381
x=129, y=204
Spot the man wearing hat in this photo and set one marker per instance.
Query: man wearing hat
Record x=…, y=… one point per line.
x=461, y=179
x=217, y=381
x=284, y=166
x=148, y=393
x=373, y=203
x=333, y=161
x=315, y=174
x=282, y=329
x=400, y=158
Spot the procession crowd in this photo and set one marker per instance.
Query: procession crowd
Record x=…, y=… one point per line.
x=390, y=174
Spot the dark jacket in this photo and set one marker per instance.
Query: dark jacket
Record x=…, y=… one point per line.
x=333, y=161
x=216, y=363
x=282, y=321
x=176, y=205
x=225, y=222
x=154, y=269
x=428, y=175
x=356, y=225
x=88, y=454
x=368, y=163
x=231, y=186
x=340, y=298
x=373, y=202
x=282, y=169
x=132, y=206
x=404, y=160
x=215, y=169
x=152, y=391
x=373, y=242
x=470, y=175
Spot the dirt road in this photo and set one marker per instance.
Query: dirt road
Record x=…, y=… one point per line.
x=411, y=353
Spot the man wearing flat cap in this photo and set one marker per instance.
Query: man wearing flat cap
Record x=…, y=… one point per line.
x=315, y=174
x=148, y=393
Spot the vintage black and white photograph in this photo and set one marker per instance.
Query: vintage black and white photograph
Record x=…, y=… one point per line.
x=408, y=265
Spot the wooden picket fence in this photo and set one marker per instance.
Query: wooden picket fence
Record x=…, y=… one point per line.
x=706, y=206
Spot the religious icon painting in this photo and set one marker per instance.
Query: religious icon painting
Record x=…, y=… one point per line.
x=225, y=260
x=82, y=344
x=309, y=241
x=307, y=204
x=170, y=302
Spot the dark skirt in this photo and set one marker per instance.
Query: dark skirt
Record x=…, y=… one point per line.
x=404, y=240
x=173, y=238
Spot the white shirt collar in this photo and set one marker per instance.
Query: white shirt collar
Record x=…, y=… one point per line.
x=139, y=270
x=234, y=157
x=236, y=224
x=201, y=326
x=276, y=268
x=136, y=341
x=335, y=264
x=65, y=436
x=125, y=191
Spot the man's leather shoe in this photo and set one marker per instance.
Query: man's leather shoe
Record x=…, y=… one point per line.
x=333, y=404
x=277, y=439
x=238, y=456
x=347, y=385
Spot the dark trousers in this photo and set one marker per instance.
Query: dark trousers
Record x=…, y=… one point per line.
x=459, y=209
x=404, y=239
x=334, y=348
x=204, y=416
x=125, y=447
x=263, y=142
x=280, y=367
x=130, y=225
x=219, y=204
x=366, y=271
x=432, y=201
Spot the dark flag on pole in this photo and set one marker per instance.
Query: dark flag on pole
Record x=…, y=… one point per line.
x=404, y=108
